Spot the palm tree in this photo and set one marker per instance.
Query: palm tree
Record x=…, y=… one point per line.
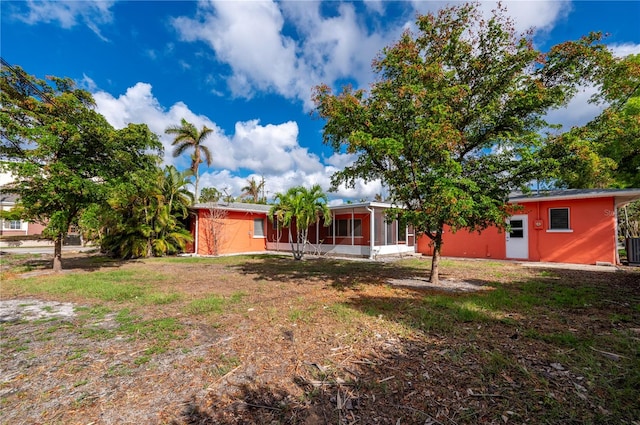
x=139, y=222
x=187, y=136
x=301, y=207
x=253, y=189
x=174, y=189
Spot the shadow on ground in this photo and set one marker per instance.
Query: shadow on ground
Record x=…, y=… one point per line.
x=34, y=264
x=337, y=273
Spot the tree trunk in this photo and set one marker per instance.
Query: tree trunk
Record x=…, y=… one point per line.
x=293, y=246
x=435, y=260
x=195, y=190
x=57, y=253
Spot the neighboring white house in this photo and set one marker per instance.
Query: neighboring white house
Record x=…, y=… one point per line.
x=15, y=227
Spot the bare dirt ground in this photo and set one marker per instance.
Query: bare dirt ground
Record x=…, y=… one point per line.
x=322, y=342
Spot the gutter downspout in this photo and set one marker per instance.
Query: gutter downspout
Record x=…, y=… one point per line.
x=371, y=231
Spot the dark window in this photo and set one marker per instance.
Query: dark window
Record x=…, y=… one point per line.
x=517, y=229
x=258, y=228
x=402, y=229
x=559, y=219
x=343, y=227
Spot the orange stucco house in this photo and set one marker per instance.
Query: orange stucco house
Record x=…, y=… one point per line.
x=568, y=226
x=357, y=229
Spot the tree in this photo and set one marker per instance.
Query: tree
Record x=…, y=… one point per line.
x=174, y=188
x=453, y=124
x=142, y=218
x=61, y=151
x=300, y=207
x=606, y=151
x=187, y=136
x=253, y=189
x=629, y=220
x=209, y=194
x=227, y=197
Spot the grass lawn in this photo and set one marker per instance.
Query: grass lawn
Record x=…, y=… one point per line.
x=265, y=339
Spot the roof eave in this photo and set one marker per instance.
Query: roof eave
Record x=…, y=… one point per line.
x=621, y=197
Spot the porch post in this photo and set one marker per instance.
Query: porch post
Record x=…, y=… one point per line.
x=352, y=227
x=372, y=230
x=397, y=226
x=386, y=231
x=333, y=228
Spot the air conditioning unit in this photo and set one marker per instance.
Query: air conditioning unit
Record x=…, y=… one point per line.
x=632, y=246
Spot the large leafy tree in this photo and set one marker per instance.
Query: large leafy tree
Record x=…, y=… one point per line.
x=606, y=151
x=299, y=208
x=61, y=151
x=188, y=137
x=209, y=194
x=453, y=123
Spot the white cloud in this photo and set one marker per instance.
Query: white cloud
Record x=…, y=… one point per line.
x=578, y=112
x=340, y=161
x=255, y=39
x=271, y=151
x=138, y=105
x=376, y=6
x=250, y=38
x=67, y=14
x=624, y=49
x=541, y=15
x=247, y=37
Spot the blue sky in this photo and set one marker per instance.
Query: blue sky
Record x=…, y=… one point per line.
x=247, y=68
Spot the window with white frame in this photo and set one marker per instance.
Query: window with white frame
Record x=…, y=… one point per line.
x=258, y=228
x=559, y=219
x=12, y=224
x=343, y=227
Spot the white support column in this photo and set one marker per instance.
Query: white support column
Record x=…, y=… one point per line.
x=397, y=226
x=386, y=231
x=352, y=228
x=333, y=228
x=372, y=230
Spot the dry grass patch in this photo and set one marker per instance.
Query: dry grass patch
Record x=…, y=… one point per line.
x=265, y=339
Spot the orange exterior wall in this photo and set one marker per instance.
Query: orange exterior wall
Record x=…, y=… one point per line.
x=488, y=244
x=237, y=233
x=592, y=239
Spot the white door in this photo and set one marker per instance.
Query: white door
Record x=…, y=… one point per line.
x=518, y=237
